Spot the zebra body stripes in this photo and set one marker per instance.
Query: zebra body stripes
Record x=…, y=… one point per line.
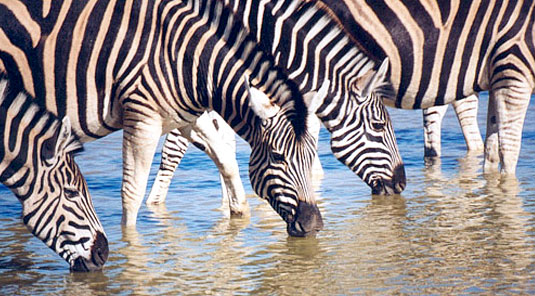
x=151, y=66
x=37, y=165
x=444, y=51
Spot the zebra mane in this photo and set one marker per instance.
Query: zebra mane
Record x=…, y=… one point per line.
x=299, y=110
x=291, y=101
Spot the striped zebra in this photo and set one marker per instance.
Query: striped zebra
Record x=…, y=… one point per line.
x=444, y=51
x=307, y=42
x=37, y=165
x=152, y=66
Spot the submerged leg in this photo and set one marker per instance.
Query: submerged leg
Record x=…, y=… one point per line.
x=214, y=137
x=507, y=111
x=140, y=139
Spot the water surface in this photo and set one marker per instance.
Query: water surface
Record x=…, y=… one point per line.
x=452, y=231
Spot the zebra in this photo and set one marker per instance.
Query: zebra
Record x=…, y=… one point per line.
x=37, y=164
x=307, y=42
x=150, y=67
x=432, y=116
x=444, y=51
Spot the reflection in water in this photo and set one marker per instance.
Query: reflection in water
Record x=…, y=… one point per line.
x=452, y=231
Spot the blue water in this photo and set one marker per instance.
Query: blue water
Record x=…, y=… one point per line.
x=452, y=231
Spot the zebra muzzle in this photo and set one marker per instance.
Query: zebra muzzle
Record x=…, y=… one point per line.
x=99, y=256
x=307, y=222
x=389, y=187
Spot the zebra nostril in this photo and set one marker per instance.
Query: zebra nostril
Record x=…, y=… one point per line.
x=99, y=250
x=308, y=221
x=99, y=256
x=378, y=187
x=400, y=180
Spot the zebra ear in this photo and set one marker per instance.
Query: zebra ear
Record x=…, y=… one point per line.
x=314, y=99
x=260, y=103
x=373, y=81
x=70, y=142
x=66, y=141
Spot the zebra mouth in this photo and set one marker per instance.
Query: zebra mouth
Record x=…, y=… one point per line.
x=307, y=221
x=389, y=187
x=99, y=256
x=295, y=229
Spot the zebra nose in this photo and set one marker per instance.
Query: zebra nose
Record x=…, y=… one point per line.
x=397, y=185
x=399, y=180
x=99, y=256
x=307, y=220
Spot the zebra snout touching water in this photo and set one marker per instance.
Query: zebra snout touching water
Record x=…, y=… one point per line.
x=37, y=165
x=282, y=157
x=367, y=148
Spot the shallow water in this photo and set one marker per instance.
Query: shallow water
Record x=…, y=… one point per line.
x=452, y=231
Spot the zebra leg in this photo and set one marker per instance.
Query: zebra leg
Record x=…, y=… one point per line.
x=505, y=119
x=466, y=111
x=432, y=130
x=492, y=159
x=140, y=139
x=173, y=151
x=218, y=141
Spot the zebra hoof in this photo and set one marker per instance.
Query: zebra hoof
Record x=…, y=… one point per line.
x=99, y=256
x=307, y=221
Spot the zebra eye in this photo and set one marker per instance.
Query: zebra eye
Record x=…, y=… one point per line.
x=378, y=126
x=277, y=157
x=71, y=193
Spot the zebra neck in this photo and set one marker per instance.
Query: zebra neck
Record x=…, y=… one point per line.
x=20, y=119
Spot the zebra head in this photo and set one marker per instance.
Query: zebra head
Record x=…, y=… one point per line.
x=281, y=161
x=363, y=138
x=37, y=165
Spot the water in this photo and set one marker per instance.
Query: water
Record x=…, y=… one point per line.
x=452, y=231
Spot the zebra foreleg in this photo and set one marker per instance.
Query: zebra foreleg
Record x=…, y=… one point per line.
x=505, y=119
x=492, y=159
x=217, y=140
x=140, y=139
x=173, y=151
x=432, y=130
x=466, y=111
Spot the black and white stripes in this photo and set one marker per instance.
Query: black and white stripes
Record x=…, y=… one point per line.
x=36, y=163
x=149, y=67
